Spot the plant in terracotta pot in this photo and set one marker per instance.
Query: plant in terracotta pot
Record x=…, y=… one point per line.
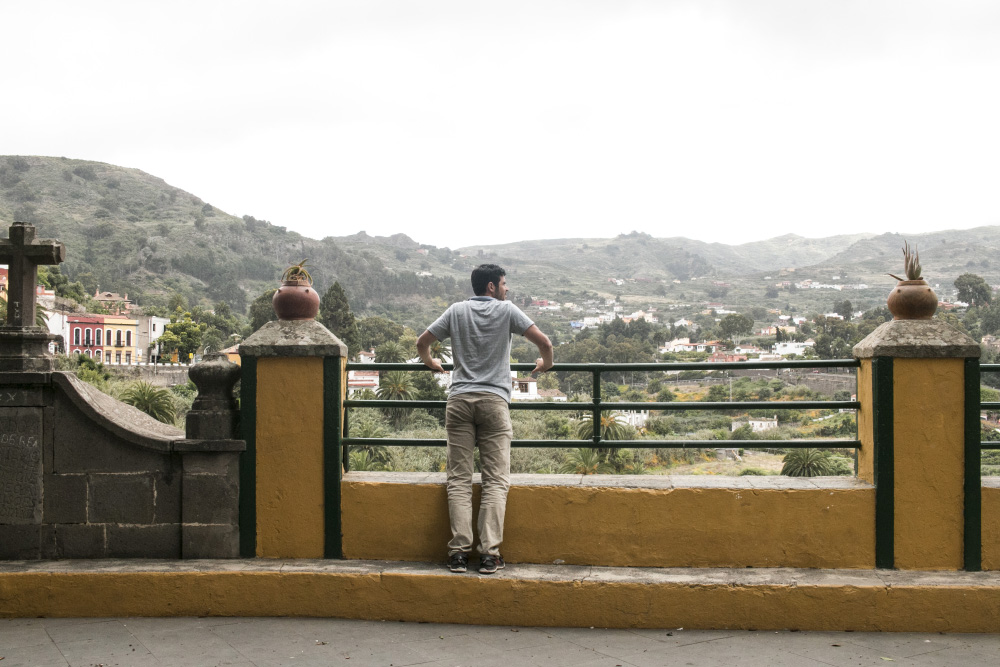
x=295, y=298
x=912, y=298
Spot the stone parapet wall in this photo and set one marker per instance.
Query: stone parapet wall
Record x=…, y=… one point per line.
x=85, y=476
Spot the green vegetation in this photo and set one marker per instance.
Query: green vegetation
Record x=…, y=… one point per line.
x=155, y=402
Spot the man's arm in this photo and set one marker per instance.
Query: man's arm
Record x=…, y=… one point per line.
x=424, y=350
x=544, y=345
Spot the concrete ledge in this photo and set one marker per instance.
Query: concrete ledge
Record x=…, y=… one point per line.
x=630, y=481
x=523, y=595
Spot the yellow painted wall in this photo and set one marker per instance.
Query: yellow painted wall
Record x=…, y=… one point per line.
x=290, y=457
x=991, y=528
x=627, y=527
x=929, y=434
x=866, y=455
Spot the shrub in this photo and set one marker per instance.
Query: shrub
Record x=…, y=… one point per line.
x=753, y=471
x=841, y=465
x=807, y=463
x=584, y=461
x=86, y=172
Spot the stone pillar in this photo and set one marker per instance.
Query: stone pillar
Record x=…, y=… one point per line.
x=293, y=383
x=210, y=457
x=919, y=427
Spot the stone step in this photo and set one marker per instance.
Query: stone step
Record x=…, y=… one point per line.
x=522, y=595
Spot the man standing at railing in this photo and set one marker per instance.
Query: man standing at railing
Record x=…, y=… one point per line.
x=478, y=411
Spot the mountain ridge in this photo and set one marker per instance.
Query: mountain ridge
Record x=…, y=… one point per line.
x=127, y=230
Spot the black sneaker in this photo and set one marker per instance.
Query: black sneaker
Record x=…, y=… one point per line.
x=488, y=563
x=458, y=562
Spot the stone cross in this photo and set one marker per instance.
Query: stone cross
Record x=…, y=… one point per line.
x=23, y=253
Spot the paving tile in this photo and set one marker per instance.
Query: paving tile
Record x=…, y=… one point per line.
x=843, y=651
x=392, y=653
x=21, y=635
x=611, y=642
x=907, y=645
x=178, y=642
x=555, y=653
x=41, y=655
x=449, y=646
x=978, y=656
x=720, y=653
x=507, y=638
x=109, y=631
x=109, y=653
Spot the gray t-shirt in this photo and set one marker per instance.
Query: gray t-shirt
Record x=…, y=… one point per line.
x=480, y=330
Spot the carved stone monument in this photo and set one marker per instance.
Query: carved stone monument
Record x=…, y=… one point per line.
x=24, y=346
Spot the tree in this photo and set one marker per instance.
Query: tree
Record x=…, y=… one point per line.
x=973, y=290
x=584, y=462
x=390, y=352
x=261, y=311
x=613, y=427
x=396, y=386
x=183, y=335
x=427, y=388
x=373, y=331
x=335, y=314
x=665, y=396
x=844, y=309
x=736, y=326
x=806, y=463
x=441, y=351
x=155, y=402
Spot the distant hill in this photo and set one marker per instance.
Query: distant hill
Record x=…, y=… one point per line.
x=129, y=231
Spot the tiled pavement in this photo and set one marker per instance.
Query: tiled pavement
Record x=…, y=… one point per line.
x=204, y=642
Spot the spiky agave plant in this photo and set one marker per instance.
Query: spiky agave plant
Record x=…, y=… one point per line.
x=911, y=263
x=297, y=272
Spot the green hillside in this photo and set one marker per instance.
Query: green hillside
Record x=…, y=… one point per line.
x=128, y=231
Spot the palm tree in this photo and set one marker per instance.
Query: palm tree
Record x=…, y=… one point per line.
x=613, y=427
x=395, y=386
x=441, y=350
x=41, y=314
x=390, y=352
x=584, y=461
x=363, y=460
x=806, y=463
x=155, y=402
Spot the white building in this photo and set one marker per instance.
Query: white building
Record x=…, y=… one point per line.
x=758, y=424
x=792, y=348
x=635, y=418
x=523, y=389
x=148, y=329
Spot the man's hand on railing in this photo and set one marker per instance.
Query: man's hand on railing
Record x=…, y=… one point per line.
x=540, y=367
x=434, y=365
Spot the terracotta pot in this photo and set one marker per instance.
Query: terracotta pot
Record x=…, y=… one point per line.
x=295, y=300
x=912, y=300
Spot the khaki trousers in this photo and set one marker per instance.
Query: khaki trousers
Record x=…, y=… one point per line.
x=483, y=419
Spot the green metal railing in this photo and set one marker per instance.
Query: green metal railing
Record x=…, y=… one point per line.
x=989, y=405
x=596, y=406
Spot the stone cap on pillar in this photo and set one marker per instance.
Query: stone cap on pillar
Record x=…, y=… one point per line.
x=920, y=339
x=293, y=338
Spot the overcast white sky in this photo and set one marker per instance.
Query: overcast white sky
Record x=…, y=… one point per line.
x=462, y=122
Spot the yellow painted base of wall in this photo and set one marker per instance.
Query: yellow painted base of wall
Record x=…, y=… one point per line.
x=627, y=527
x=991, y=528
x=795, y=599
